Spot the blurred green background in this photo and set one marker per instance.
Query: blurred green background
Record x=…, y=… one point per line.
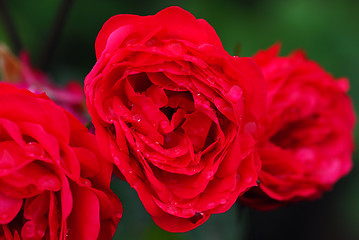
x=327, y=30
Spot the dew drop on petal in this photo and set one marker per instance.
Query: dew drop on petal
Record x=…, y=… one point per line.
x=249, y=179
x=211, y=205
x=250, y=127
x=130, y=104
x=49, y=182
x=223, y=201
x=68, y=233
x=86, y=182
x=187, y=211
x=171, y=210
x=235, y=93
x=116, y=160
x=209, y=174
x=34, y=149
x=40, y=232
x=136, y=117
x=211, y=80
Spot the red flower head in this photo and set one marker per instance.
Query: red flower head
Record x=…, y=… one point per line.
x=53, y=182
x=20, y=73
x=308, y=142
x=177, y=114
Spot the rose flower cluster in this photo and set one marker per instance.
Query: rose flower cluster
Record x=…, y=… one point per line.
x=191, y=128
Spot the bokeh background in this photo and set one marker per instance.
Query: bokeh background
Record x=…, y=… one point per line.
x=327, y=30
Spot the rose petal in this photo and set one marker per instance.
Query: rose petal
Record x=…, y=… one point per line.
x=9, y=208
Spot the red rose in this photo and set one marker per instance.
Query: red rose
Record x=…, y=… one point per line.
x=177, y=114
x=308, y=141
x=53, y=182
x=20, y=73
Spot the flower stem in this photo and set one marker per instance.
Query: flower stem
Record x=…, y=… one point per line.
x=54, y=34
x=243, y=218
x=10, y=28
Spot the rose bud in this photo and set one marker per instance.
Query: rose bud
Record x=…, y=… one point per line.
x=308, y=142
x=177, y=115
x=54, y=184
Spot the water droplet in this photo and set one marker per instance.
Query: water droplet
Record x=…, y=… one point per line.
x=136, y=117
x=34, y=149
x=211, y=205
x=209, y=174
x=249, y=179
x=187, y=211
x=235, y=93
x=164, y=124
x=116, y=160
x=49, y=182
x=250, y=127
x=176, y=48
x=40, y=232
x=130, y=104
x=86, y=182
x=68, y=233
x=211, y=80
x=223, y=201
x=171, y=210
